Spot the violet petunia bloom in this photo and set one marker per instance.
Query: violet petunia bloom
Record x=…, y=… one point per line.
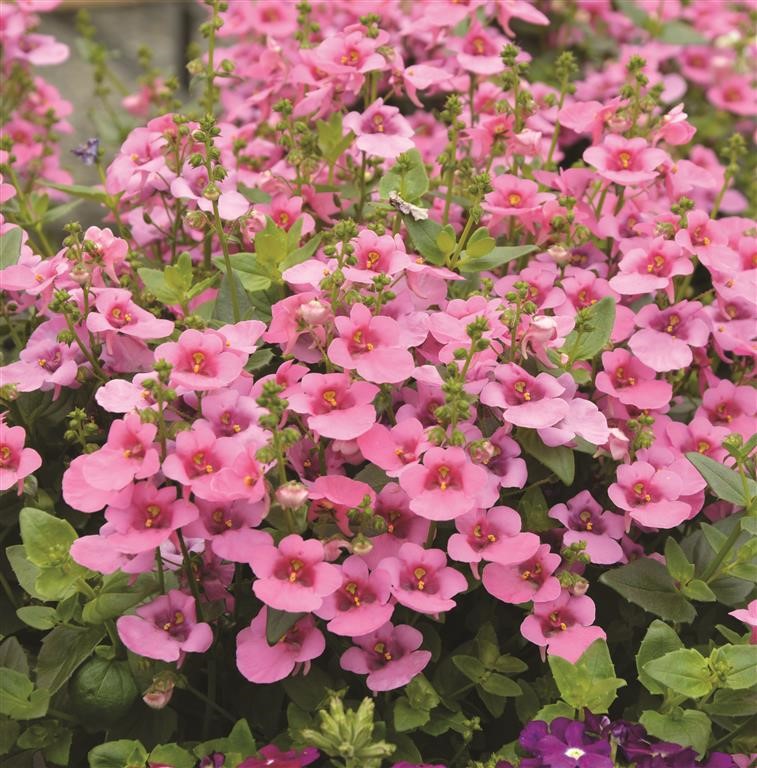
x=531, y=579
x=381, y=130
x=389, y=656
x=421, y=580
x=492, y=535
x=563, y=626
x=527, y=401
x=586, y=521
x=361, y=605
x=564, y=743
x=261, y=662
x=446, y=485
x=293, y=577
x=273, y=757
x=166, y=628
x=16, y=462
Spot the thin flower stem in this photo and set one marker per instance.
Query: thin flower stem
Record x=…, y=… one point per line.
x=190, y=574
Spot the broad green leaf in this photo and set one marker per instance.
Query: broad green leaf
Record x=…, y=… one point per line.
x=41, y=617
x=676, y=561
x=60, y=581
x=736, y=666
x=599, y=320
x=534, y=511
x=495, y=258
x=155, y=282
x=173, y=755
x=728, y=703
x=224, y=310
x=559, y=709
x=278, y=623
x=411, y=184
x=686, y=727
x=116, y=597
x=271, y=248
x=559, y=459
x=421, y=694
x=724, y=482
x=407, y=717
x=479, y=244
x=684, y=671
x=18, y=697
x=424, y=234
x=470, y=666
x=659, y=640
x=13, y=655
x=510, y=665
x=60, y=211
x=698, y=590
x=648, y=584
x=47, y=539
x=374, y=476
x=10, y=247
x=447, y=239
x=26, y=572
x=51, y=737
x=679, y=33
x=9, y=730
x=123, y=753
x=63, y=650
x=630, y=9
x=79, y=190
x=241, y=740
x=303, y=253
x=499, y=685
x=331, y=139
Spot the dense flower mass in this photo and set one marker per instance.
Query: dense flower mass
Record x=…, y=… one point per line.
x=414, y=357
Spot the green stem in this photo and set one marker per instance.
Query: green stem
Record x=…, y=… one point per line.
x=227, y=264
x=202, y=697
x=717, y=561
x=161, y=573
x=190, y=574
x=744, y=727
x=721, y=194
x=361, y=204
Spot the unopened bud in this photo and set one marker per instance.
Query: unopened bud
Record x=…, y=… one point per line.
x=291, y=495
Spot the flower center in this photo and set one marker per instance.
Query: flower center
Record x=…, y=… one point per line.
x=521, y=388
x=556, y=621
x=152, y=513
x=200, y=462
x=378, y=123
x=673, y=321
x=329, y=397
x=640, y=489
x=531, y=574
x=655, y=264
x=514, y=199
x=177, y=621
x=624, y=160
x=6, y=455
x=198, y=362
x=622, y=380
x=351, y=57
x=586, y=518
x=382, y=650
x=420, y=575
x=295, y=566
x=372, y=259
x=353, y=591
x=574, y=752
x=218, y=518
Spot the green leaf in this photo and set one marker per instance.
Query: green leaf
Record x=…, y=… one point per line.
x=633, y=12
x=259, y=359
x=659, y=640
x=63, y=650
x=446, y=240
x=155, y=282
x=411, y=184
x=303, y=253
x=559, y=709
x=26, y=572
x=373, y=476
x=424, y=234
x=698, y=590
x=18, y=697
x=241, y=740
x=421, y=694
x=123, y=753
x=407, y=717
x=479, y=244
x=331, y=140
x=495, y=258
x=10, y=247
x=41, y=617
x=278, y=623
x=60, y=211
x=679, y=33
x=559, y=459
x=173, y=755
x=728, y=703
x=684, y=671
x=13, y=656
x=725, y=483
x=117, y=596
x=534, y=511
x=271, y=248
x=676, y=561
x=47, y=539
x=647, y=583
x=510, y=665
x=9, y=730
x=686, y=727
x=599, y=320
x=223, y=309
x=470, y=666
x=499, y=685
x=52, y=738
x=736, y=665
x=79, y=190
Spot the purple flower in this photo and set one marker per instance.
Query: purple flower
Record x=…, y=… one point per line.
x=273, y=757
x=213, y=760
x=88, y=151
x=565, y=744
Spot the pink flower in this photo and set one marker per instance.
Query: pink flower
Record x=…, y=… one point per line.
x=200, y=361
x=492, y=535
x=749, y=616
x=389, y=656
x=421, y=579
x=649, y=496
x=272, y=757
x=334, y=406
x=527, y=401
x=631, y=382
x=165, y=629
x=335, y=495
x=230, y=528
x=150, y=518
x=296, y=325
x=480, y=51
x=735, y=94
x=514, y=196
x=586, y=521
x=117, y=313
x=293, y=577
x=395, y=448
x=361, y=604
x=563, y=626
x=196, y=456
x=499, y=454
x=625, y=161
x=16, y=462
x=350, y=53
x=529, y=580
x=650, y=268
x=381, y=130
x=376, y=255
x=130, y=453
x=446, y=485
x=667, y=335
x=262, y=663
x=371, y=346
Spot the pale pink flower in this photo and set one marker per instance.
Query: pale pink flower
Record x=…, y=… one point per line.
x=625, y=161
x=531, y=579
x=16, y=462
x=381, y=130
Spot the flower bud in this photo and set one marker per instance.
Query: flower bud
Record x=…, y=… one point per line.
x=314, y=312
x=291, y=495
x=159, y=693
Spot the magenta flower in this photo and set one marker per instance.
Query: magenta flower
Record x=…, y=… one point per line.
x=625, y=161
x=335, y=407
x=165, y=629
x=150, y=518
x=200, y=361
x=492, y=535
x=649, y=496
x=389, y=656
x=381, y=130
x=335, y=495
x=16, y=462
x=371, y=346
x=527, y=401
x=667, y=335
x=293, y=577
x=514, y=196
x=361, y=604
x=632, y=382
x=529, y=580
x=376, y=255
x=129, y=454
x=500, y=455
x=261, y=663
x=118, y=313
x=393, y=449
x=586, y=521
x=446, y=485
x=563, y=626
x=421, y=579
x=273, y=757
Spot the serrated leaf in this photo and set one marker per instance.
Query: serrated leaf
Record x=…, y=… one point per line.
x=470, y=666
x=684, y=671
x=737, y=665
x=495, y=258
x=724, y=482
x=676, y=561
x=63, y=651
x=698, y=590
x=559, y=459
x=424, y=234
x=648, y=584
x=18, y=697
x=689, y=728
x=659, y=640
